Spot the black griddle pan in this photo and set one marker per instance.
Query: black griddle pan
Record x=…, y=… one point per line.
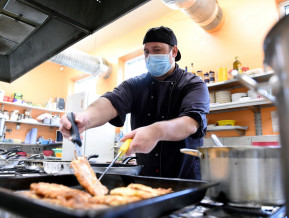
x=185, y=192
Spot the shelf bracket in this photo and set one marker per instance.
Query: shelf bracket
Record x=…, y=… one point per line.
x=254, y=109
x=258, y=124
x=241, y=132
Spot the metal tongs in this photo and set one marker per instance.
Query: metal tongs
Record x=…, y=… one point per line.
x=122, y=150
x=74, y=133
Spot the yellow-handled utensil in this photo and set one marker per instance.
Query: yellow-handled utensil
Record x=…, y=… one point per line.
x=122, y=150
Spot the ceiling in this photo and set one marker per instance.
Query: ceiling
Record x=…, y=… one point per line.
x=135, y=19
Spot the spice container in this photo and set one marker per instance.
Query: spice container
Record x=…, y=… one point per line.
x=200, y=74
x=212, y=76
x=206, y=78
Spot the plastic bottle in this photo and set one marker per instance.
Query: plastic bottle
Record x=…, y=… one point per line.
x=237, y=65
x=222, y=74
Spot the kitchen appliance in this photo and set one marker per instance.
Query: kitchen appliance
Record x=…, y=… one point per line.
x=60, y=103
x=99, y=140
x=29, y=27
x=2, y=125
x=248, y=176
x=185, y=192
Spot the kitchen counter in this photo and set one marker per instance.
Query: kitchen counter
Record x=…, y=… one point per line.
x=31, y=148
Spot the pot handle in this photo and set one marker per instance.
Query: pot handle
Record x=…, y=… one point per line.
x=92, y=156
x=127, y=159
x=193, y=152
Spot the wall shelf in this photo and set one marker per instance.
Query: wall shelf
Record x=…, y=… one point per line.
x=31, y=107
x=240, y=104
x=240, y=129
x=39, y=124
x=261, y=77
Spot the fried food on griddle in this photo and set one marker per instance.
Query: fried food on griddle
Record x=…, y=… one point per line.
x=139, y=190
x=52, y=190
x=87, y=178
x=61, y=195
x=125, y=191
x=113, y=200
x=29, y=194
x=157, y=191
x=77, y=199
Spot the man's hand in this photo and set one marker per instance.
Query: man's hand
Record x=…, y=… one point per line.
x=97, y=114
x=144, y=140
x=65, y=125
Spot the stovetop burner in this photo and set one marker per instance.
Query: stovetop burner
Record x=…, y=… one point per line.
x=210, y=209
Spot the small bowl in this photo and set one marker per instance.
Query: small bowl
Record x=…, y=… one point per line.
x=22, y=153
x=57, y=152
x=48, y=153
x=226, y=122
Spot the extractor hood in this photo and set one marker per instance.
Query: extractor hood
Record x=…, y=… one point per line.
x=33, y=31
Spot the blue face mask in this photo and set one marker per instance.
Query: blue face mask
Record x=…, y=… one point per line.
x=158, y=64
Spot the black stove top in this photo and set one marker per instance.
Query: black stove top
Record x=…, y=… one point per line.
x=210, y=209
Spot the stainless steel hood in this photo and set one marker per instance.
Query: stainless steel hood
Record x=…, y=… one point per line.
x=32, y=31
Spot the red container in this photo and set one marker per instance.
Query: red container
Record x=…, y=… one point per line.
x=6, y=98
x=48, y=153
x=274, y=143
x=22, y=153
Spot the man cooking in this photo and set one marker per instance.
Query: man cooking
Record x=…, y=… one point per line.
x=168, y=109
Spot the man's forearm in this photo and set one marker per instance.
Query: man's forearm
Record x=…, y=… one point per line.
x=176, y=129
x=99, y=112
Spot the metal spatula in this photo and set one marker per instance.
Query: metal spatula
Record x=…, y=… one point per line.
x=122, y=150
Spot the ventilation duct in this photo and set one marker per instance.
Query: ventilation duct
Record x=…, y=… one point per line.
x=207, y=13
x=84, y=62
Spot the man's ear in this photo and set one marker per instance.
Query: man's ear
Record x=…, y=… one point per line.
x=175, y=51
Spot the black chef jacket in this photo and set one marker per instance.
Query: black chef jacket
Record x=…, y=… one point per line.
x=149, y=101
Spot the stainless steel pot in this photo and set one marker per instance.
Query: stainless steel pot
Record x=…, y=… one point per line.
x=63, y=167
x=6, y=153
x=276, y=49
x=121, y=169
x=34, y=165
x=57, y=167
x=10, y=162
x=250, y=176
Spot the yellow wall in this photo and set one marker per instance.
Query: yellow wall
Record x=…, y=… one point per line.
x=246, y=24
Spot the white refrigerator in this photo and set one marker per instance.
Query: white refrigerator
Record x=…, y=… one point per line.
x=99, y=140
